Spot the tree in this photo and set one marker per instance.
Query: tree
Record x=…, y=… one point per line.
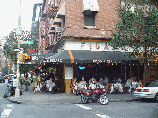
x=5, y=70
x=137, y=29
x=24, y=68
x=12, y=43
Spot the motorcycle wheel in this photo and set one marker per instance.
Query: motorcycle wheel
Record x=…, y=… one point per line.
x=103, y=100
x=83, y=98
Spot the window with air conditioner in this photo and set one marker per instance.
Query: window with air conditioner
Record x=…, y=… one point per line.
x=57, y=29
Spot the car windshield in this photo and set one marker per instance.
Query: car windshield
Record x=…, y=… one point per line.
x=153, y=84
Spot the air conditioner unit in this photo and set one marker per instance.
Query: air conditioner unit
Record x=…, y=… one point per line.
x=57, y=29
x=56, y=4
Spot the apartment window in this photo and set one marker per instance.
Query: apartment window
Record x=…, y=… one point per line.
x=89, y=18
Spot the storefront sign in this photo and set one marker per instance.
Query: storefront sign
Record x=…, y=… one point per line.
x=103, y=61
x=14, y=82
x=55, y=60
x=97, y=45
x=68, y=72
x=31, y=50
x=34, y=58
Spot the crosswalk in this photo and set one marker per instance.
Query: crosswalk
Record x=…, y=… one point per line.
x=88, y=108
x=6, y=112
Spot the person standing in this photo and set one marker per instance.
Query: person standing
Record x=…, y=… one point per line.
x=26, y=79
x=34, y=83
x=106, y=81
x=39, y=79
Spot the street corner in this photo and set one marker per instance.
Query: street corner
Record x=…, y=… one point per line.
x=14, y=100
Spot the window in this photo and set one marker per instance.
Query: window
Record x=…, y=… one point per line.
x=89, y=18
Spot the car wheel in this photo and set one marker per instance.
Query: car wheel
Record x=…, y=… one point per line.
x=156, y=97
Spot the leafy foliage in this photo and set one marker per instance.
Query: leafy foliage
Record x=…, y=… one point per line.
x=52, y=70
x=12, y=43
x=6, y=70
x=138, y=29
x=24, y=68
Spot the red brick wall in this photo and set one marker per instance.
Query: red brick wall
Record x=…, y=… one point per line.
x=105, y=19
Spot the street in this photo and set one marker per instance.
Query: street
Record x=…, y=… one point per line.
x=65, y=107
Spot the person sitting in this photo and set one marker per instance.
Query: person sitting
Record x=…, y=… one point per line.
x=92, y=83
x=128, y=85
x=50, y=84
x=101, y=81
x=140, y=84
x=119, y=80
x=74, y=86
x=82, y=84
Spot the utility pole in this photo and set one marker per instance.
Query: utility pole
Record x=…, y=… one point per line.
x=18, y=33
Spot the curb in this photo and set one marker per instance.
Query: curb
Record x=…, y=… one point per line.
x=14, y=101
x=123, y=100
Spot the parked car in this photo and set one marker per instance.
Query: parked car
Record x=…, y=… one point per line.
x=149, y=92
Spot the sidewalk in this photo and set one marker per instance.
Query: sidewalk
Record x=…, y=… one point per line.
x=48, y=98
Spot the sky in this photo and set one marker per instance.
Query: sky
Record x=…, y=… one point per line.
x=10, y=12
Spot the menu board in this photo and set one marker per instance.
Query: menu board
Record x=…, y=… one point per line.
x=68, y=72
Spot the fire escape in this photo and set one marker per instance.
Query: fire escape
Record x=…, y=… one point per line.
x=51, y=13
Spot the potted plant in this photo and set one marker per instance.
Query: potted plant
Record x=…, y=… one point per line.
x=52, y=70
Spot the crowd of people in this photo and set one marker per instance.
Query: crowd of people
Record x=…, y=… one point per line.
x=76, y=86
x=40, y=84
x=116, y=85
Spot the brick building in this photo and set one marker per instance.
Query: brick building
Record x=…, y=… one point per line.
x=79, y=31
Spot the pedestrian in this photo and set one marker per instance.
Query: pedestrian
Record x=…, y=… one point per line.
x=57, y=86
x=34, y=83
x=106, y=82
x=39, y=80
x=26, y=79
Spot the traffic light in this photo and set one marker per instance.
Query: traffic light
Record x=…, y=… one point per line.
x=21, y=57
x=27, y=58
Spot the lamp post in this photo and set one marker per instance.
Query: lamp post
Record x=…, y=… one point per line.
x=17, y=90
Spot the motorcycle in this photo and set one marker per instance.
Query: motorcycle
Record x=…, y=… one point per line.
x=94, y=95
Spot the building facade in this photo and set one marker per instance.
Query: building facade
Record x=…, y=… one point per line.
x=74, y=27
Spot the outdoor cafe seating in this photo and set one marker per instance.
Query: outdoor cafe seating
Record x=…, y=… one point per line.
x=116, y=87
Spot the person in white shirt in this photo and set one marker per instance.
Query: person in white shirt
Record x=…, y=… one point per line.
x=92, y=83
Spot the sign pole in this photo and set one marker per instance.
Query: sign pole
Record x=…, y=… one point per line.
x=17, y=90
x=18, y=33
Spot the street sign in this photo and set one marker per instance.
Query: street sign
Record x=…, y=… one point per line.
x=27, y=42
x=14, y=82
x=16, y=50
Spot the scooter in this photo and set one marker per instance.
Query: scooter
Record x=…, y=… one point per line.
x=94, y=95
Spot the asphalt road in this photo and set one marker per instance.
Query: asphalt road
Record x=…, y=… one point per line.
x=67, y=109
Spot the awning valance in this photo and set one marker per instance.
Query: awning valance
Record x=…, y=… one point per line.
x=61, y=12
x=91, y=5
x=36, y=59
x=87, y=56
